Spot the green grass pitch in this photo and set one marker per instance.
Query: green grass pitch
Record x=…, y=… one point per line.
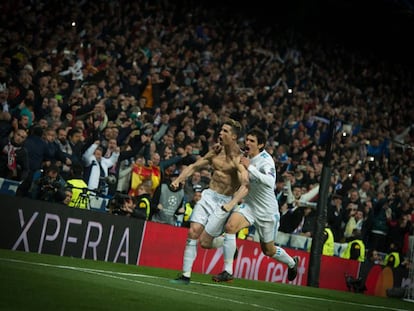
x=30, y=281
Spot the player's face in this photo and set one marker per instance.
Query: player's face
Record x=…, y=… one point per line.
x=226, y=134
x=252, y=147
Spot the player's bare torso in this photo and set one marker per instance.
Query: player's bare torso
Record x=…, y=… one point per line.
x=225, y=179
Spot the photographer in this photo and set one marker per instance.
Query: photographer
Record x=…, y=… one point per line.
x=50, y=186
x=138, y=207
x=119, y=204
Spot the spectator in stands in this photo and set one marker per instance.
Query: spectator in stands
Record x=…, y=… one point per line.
x=167, y=141
x=300, y=208
x=132, y=85
x=23, y=122
x=54, y=154
x=307, y=222
x=98, y=167
x=105, y=136
x=355, y=220
x=38, y=150
x=124, y=176
x=14, y=159
x=336, y=217
x=291, y=214
x=399, y=230
x=192, y=185
x=366, y=191
x=184, y=212
x=75, y=145
x=344, y=184
x=378, y=235
x=168, y=201
x=352, y=198
x=189, y=154
x=374, y=257
x=54, y=118
x=158, y=166
x=5, y=124
x=4, y=95
x=163, y=129
x=111, y=148
x=139, y=172
x=68, y=196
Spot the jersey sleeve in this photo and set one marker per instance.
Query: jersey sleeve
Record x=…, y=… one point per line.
x=266, y=173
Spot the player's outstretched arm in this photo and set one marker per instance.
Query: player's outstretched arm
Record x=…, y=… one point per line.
x=189, y=170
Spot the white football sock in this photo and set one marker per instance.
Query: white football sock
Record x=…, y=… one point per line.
x=190, y=254
x=283, y=257
x=229, y=247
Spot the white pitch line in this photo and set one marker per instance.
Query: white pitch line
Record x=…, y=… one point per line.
x=259, y=291
x=108, y=274
x=112, y=274
x=187, y=292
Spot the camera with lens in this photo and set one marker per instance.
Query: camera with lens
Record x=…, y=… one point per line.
x=48, y=184
x=49, y=189
x=117, y=202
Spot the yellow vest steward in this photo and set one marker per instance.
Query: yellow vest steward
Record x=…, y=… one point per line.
x=394, y=256
x=329, y=245
x=145, y=203
x=188, y=211
x=78, y=183
x=347, y=253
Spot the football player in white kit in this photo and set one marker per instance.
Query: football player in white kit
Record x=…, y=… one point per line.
x=259, y=208
x=229, y=176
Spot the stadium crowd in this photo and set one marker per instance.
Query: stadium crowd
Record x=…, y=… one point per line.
x=120, y=98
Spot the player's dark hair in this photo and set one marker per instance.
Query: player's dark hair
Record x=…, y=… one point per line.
x=260, y=135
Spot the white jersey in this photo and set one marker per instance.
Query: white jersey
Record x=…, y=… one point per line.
x=262, y=180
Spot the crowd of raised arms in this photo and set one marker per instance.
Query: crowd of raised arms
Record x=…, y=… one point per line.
x=98, y=99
